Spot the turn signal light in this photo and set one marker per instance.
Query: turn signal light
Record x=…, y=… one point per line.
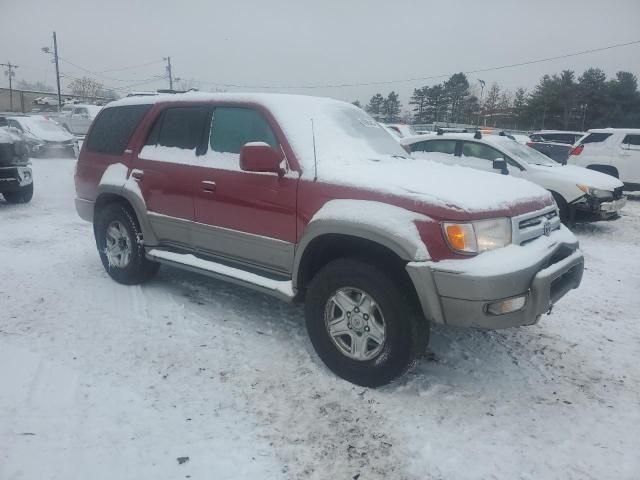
x=461, y=237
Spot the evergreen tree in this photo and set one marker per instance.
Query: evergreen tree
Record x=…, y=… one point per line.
x=391, y=108
x=374, y=108
x=457, y=90
x=356, y=103
x=519, y=107
x=419, y=102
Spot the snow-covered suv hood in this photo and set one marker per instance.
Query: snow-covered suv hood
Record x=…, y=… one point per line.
x=580, y=175
x=430, y=182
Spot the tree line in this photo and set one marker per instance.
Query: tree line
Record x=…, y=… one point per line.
x=558, y=101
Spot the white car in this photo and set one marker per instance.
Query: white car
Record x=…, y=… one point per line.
x=77, y=118
x=615, y=151
x=573, y=188
x=44, y=136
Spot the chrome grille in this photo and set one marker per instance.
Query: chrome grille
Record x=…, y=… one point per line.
x=532, y=225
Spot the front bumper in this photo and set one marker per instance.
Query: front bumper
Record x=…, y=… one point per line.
x=13, y=178
x=599, y=208
x=543, y=271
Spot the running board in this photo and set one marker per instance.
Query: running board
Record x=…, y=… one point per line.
x=282, y=289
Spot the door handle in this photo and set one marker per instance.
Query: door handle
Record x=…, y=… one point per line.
x=208, y=186
x=137, y=174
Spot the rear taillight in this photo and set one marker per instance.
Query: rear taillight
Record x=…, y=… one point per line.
x=530, y=144
x=577, y=150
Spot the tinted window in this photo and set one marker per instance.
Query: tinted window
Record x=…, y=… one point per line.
x=596, y=138
x=232, y=127
x=182, y=127
x=567, y=138
x=632, y=140
x=113, y=128
x=437, y=146
x=478, y=150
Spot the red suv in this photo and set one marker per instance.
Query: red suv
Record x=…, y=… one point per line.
x=309, y=199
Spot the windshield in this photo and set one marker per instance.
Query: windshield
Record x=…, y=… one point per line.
x=526, y=154
x=345, y=133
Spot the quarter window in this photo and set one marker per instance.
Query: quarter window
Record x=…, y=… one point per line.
x=595, y=138
x=478, y=150
x=113, y=128
x=233, y=127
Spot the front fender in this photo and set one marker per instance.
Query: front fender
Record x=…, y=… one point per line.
x=386, y=225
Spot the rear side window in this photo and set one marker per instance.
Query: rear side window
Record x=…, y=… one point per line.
x=180, y=127
x=113, y=128
x=632, y=140
x=233, y=127
x=436, y=146
x=478, y=150
x=559, y=138
x=596, y=138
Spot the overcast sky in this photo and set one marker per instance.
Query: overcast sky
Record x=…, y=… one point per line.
x=281, y=43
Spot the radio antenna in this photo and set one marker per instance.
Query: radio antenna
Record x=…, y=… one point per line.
x=315, y=159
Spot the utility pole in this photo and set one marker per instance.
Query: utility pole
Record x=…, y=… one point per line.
x=55, y=60
x=10, y=73
x=55, y=56
x=168, y=59
x=584, y=114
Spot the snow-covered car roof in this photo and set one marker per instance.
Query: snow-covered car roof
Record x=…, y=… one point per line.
x=614, y=130
x=43, y=128
x=570, y=132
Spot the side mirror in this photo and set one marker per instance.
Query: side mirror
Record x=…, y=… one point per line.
x=260, y=157
x=501, y=164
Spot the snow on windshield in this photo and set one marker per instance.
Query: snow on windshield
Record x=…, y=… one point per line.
x=345, y=133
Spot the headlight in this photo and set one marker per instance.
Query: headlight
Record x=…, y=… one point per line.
x=596, y=192
x=477, y=237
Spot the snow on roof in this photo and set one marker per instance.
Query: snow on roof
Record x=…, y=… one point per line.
x=572, y=132
x=614, y=130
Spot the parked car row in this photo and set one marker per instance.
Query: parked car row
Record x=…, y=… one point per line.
x=573, y=188
x=310, y=200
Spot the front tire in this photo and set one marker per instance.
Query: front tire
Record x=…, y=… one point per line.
x=362, y=324
x=119, y=242
x=563, y=207
x=22, y=195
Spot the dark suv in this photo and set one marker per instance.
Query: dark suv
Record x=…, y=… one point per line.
x=16, y=180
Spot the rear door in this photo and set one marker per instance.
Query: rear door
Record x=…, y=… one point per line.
x=243, y=216
x=629, y=163
x=164, y=170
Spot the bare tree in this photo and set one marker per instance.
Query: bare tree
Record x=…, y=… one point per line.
x=86, y=88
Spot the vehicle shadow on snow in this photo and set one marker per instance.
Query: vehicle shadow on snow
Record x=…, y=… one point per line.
x=456, y=357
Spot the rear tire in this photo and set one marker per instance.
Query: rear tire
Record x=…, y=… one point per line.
x=23, y=195
x=396, y=321
x=119, y=241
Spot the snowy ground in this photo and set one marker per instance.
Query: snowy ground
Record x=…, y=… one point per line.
x=103, y=381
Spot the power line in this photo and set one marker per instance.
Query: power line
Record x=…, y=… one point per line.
x=430, y=77
x=133, y=67
x=97, y=74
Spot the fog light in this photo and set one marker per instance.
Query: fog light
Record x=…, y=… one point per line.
x=507, y=306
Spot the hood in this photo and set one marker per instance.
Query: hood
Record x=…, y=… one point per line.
x=581, y=175
x=450, y=187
